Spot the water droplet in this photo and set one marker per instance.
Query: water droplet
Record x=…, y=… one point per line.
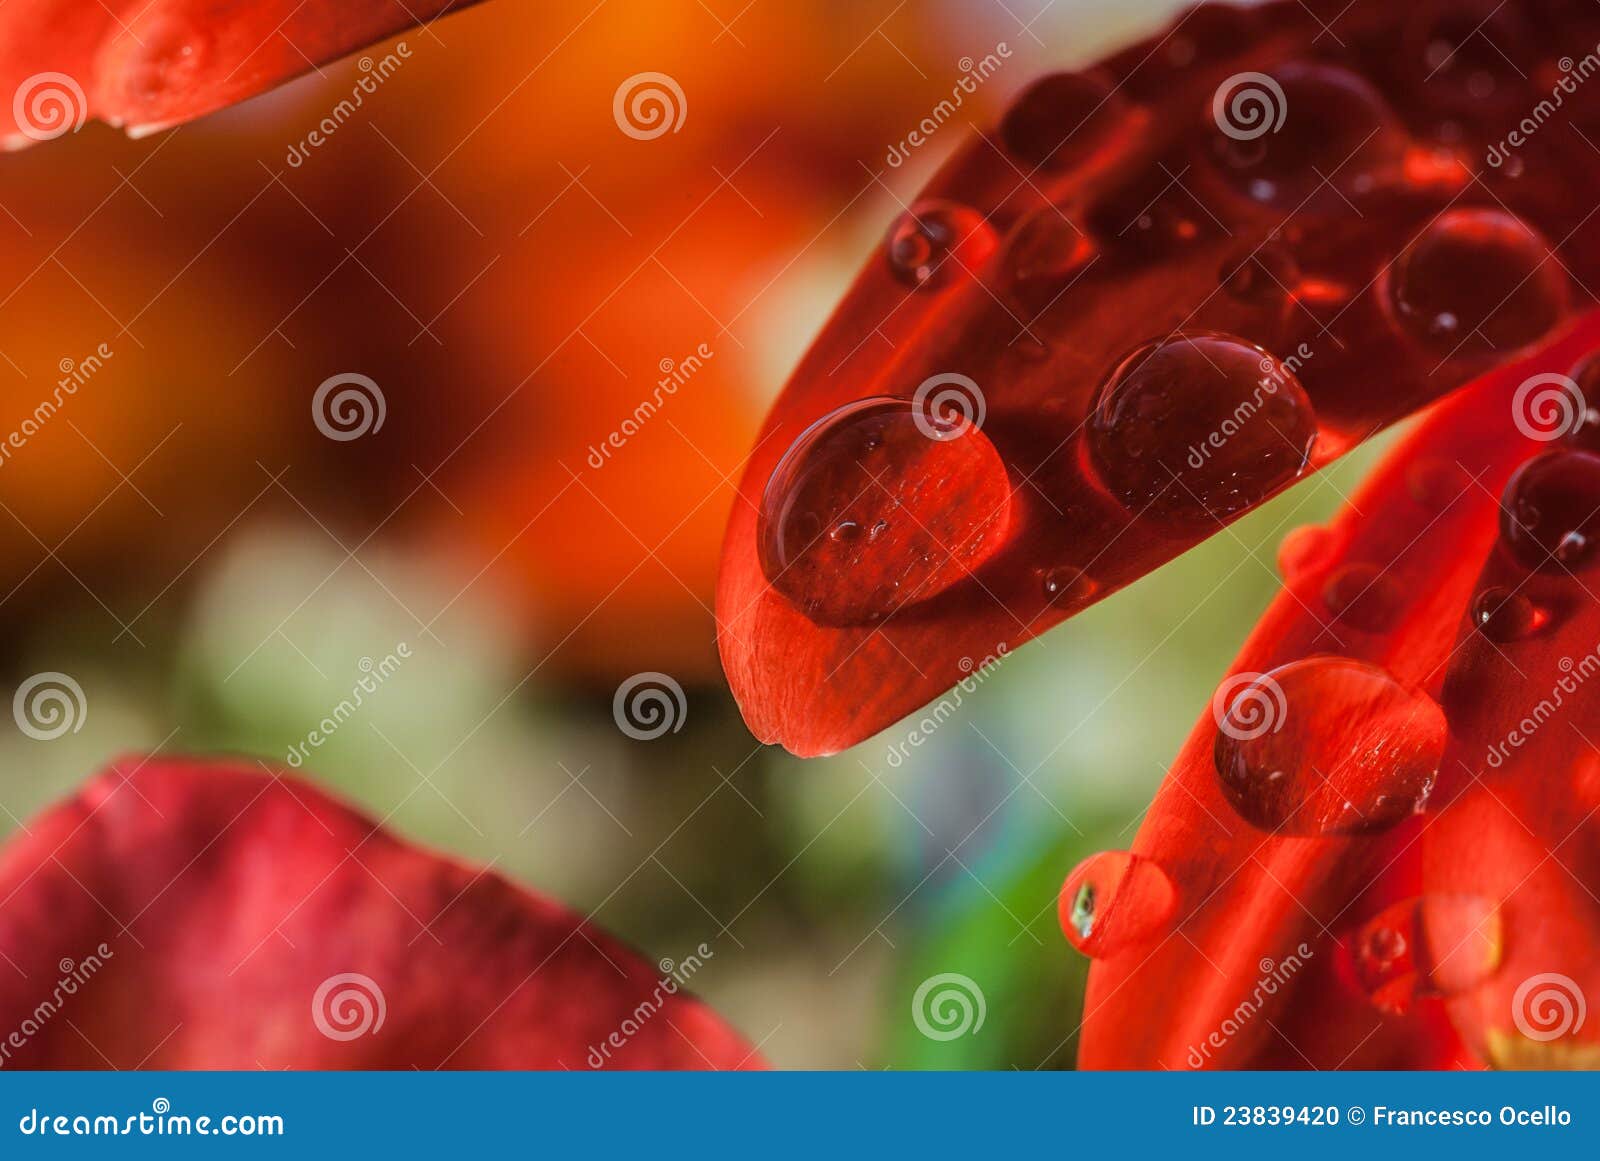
x=1115, y=900
x=937, y=242
x=1336, y=126
x=1477, y=282
x=1585, y=432
x=1043, y=254
x=1344, y=749
x=1066, y=585
x=1363, y=596
x=1502, y=615
x=1550, y=513
x=1199, y=427
x=1433, y=945
x=1306, y=550
x=860, y=468
x=1059, y=119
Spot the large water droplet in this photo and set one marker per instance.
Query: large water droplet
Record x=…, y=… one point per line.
x=1059, y=119
x=1477, y=282
x=1199, y=427
x=1363, y=596
x=1550, y=513
x=937, y=242
x=875, y=507
x=1337, y=137
x=1328, y=745
x=1115, y=900
x=1584, y=430
x=1435, y=945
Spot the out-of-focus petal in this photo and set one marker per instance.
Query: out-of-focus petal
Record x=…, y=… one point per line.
x=186, y=914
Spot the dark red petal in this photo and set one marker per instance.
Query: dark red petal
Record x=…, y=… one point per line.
x=1337, y=892
x=145, y=65
x=181, y=914
x=1107, y=303
x=1521, y=784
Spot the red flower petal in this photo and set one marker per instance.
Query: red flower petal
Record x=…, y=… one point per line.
x=145, y=65
x=1106, y=303
x=1521, y=785
x=180, y=914
x=1285, y=827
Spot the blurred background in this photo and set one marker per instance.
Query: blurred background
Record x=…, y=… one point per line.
x=515, y=275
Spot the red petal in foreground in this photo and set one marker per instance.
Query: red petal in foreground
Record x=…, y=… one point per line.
x=1518, y=832
x=1302, y=928
x=144, y=65
x=181, y=914
x=1132, y=312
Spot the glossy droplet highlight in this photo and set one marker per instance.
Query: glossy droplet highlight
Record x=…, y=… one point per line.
x=1199, y=427
x=936, y=243
x=1504, y=616
x=1435, y=945
x=1364, y=597
x=1475, y=283
x=1343, y=748
x=867, y=513
x=1067, y=585
x=1115, y=900
x=1550, y=513
x=1059, y=120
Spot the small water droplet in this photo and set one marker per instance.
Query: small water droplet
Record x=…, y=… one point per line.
x=1043, y=254
x=1262, y=276
x=1504, y=616
x=1059, y=119
x=1199, y=427
x=1067, y=585
x=1550, y=513
x=1477, y=282
x=1337, y=747
x=859, y=468
x=1432, y=945
x=1306, y=550
x=937, y=242
x=1115, y=900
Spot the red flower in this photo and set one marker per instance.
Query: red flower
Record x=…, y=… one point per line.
x=145, y=65
x=180, y=914
x=1155, y=295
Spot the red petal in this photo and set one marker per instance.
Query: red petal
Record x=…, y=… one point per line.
x=181, y=914
x=1030, y=269
x=1309, y=887
x=145, y=65
x=1522, y=787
